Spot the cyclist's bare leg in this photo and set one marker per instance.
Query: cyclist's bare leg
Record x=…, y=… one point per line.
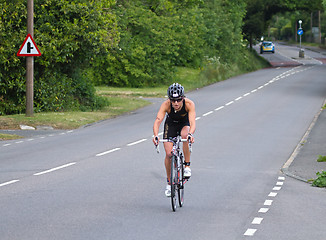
x=167, y=162
x=184, y=135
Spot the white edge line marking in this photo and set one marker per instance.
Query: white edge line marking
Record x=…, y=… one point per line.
x=272, y=194
x=257, y=220
x=134, y=143
x=268, y=202
x=263, y=210
x=54, y=169
x=9, y=182
x=250, y=232
x=229, y=103
x=107, y=152
x=210, y=112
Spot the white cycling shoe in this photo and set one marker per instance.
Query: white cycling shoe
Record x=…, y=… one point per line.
x=168, y=191
x=187, y=172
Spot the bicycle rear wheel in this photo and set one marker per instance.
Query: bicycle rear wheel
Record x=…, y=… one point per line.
x=174, y=182
x=181, y=182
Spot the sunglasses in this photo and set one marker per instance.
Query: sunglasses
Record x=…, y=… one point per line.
x=176, y=100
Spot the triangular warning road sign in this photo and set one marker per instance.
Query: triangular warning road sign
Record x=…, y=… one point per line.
x=28, y=48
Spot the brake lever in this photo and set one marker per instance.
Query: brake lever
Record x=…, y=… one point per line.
x=157, y=145
x=190, y=145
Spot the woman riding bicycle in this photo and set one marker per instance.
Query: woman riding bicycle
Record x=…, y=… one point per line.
x=180, y=120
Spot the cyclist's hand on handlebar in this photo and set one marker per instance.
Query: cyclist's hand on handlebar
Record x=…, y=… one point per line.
x=156, y=140
x=191, y=138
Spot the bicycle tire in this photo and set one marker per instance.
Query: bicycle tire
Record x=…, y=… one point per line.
x=174, y=182
x=181, y=182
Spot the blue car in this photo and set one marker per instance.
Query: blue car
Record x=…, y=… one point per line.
x=267, y=47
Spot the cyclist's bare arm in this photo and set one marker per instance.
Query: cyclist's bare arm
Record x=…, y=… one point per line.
x=190, y=107
x=159, y=118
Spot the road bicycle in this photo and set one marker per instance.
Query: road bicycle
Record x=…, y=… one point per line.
x=177, y=179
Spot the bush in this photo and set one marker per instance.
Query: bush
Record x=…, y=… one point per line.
x=321, y=158
x=70, y=34
x=321, y=180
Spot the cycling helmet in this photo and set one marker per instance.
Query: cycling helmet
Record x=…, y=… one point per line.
x=175, y=91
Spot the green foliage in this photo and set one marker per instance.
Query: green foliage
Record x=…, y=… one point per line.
x=157, y=36
x=117, y=43
x=70, y=34
x=321, y=158
x=320, y=181
x=260, y=12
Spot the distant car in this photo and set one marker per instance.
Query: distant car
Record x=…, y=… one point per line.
x=267, y=47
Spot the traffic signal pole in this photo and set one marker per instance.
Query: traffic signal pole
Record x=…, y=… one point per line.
x=30, y=62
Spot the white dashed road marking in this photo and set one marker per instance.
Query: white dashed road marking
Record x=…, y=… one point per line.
x=268, y=202
x=219, y=108
x=134, y=143
x=54, y=169
x=250, y=232
x=272, y=194
x=9, y=182
x=263, y=210
x=206, y=114
x=258, y=220
x=107, y=152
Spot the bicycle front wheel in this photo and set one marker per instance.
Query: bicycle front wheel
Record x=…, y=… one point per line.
x=174, y=182
x=181, y=182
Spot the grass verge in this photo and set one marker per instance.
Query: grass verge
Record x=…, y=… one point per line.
x=119, y=104
x=9, y=136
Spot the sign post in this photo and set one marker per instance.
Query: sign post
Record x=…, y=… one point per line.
x=30, y=62
x=300, y=32
x=29, y=49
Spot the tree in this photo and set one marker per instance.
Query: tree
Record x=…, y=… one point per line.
x=260, y=12
x=70, y=34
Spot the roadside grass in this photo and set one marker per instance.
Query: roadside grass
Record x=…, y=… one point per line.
x=71, y=120
x=9, y=136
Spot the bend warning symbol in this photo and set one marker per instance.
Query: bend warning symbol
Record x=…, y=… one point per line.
x=28, y=48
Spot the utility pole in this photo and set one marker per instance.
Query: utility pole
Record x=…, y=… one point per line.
x=319, y=27
x=30, y=62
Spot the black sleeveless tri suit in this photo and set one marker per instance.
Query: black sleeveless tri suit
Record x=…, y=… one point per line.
x=175, y=121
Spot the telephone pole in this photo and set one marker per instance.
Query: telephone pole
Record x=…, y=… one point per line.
x=30, y=62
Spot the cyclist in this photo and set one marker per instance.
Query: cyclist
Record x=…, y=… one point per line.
x=180, y=120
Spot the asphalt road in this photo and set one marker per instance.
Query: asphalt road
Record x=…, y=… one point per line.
x=106, y=181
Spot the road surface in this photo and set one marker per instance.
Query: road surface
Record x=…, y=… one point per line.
x=106, y=181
